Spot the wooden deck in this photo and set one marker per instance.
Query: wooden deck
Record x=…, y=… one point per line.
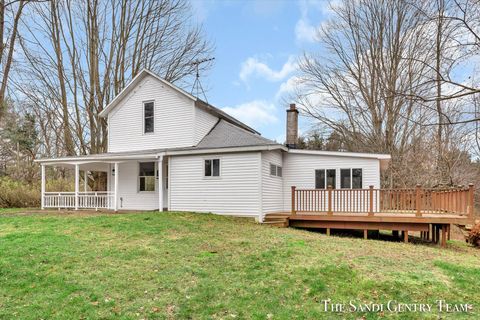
x=428, y=211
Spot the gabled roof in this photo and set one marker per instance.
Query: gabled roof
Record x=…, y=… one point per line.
x=225, y=135
x=198, y=103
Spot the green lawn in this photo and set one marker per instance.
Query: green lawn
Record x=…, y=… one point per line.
x=177, y=265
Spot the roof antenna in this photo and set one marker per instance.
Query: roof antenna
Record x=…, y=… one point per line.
x=197, y=84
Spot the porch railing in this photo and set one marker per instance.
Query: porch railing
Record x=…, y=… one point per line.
x=457, y=201
x=86, y=200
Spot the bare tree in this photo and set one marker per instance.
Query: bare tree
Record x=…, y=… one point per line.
x=358, y=81
x=93, y=49
x=10, y=13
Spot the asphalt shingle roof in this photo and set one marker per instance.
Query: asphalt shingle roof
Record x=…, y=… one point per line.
x=225, y=135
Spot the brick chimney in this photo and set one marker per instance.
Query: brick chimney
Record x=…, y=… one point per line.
x=292, y=126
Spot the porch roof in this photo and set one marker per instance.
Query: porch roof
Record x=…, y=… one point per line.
x=111, y=157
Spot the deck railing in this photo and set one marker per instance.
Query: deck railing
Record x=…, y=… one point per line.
x=86, y=200
x=458, y=201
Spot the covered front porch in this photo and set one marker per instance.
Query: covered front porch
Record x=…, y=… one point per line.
x=134, y=182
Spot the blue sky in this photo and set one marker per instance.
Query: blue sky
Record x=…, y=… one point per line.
x=257, y=44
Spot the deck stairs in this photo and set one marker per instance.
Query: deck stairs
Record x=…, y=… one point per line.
x=276, y=220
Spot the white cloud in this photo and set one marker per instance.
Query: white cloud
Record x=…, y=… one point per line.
x=254, y=113
x=305, y=30
x=287, y=87
x=254, y=67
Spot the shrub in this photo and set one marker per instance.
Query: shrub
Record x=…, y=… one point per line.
x=17, y=194
x=474, y=235
x=60, y=185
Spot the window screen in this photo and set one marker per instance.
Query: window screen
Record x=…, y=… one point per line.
x=273, y=169
x=279, y=171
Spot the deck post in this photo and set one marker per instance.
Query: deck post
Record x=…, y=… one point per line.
x=43, y=186
x=365, y=234
x=471, y=192
x=293, y=200
x=405, y=236
x=418, y=200
x=370, y=209
x=115, y=197
x=329, y=191
x=444, y=235
x=328, y=231
x=77, y=184
x=160, y=183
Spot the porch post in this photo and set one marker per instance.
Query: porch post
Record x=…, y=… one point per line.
x=77, y=184
x=115, y=201
x=160, y=183
x=43, y=186
x=85, y=173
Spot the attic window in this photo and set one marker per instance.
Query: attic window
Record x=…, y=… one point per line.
x=148, y=117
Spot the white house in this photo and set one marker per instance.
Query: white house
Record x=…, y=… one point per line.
x=170, y=150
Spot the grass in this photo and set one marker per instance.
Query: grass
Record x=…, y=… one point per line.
x=183, y=266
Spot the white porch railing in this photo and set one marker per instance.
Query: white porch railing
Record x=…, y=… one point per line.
x=86, y=200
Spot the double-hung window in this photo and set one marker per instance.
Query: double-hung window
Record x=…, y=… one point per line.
x=212, y=167
x=351, y=178
x=325, y=178
x=148, y=117
x=275, y=170
x=146, y=176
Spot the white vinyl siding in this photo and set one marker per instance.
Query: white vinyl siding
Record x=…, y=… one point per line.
x=174, y=119
x=204, y=122
x=299, y=171
x=235, y=192
x=131, y=198
x=272, y=186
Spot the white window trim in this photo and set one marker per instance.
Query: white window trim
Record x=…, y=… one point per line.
x=350, y=187
x=276, y=170
x=325, y=179
x=143, y=117
x=155, y=175
x=351, y=178
x=279, y=167
x=219, y=168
